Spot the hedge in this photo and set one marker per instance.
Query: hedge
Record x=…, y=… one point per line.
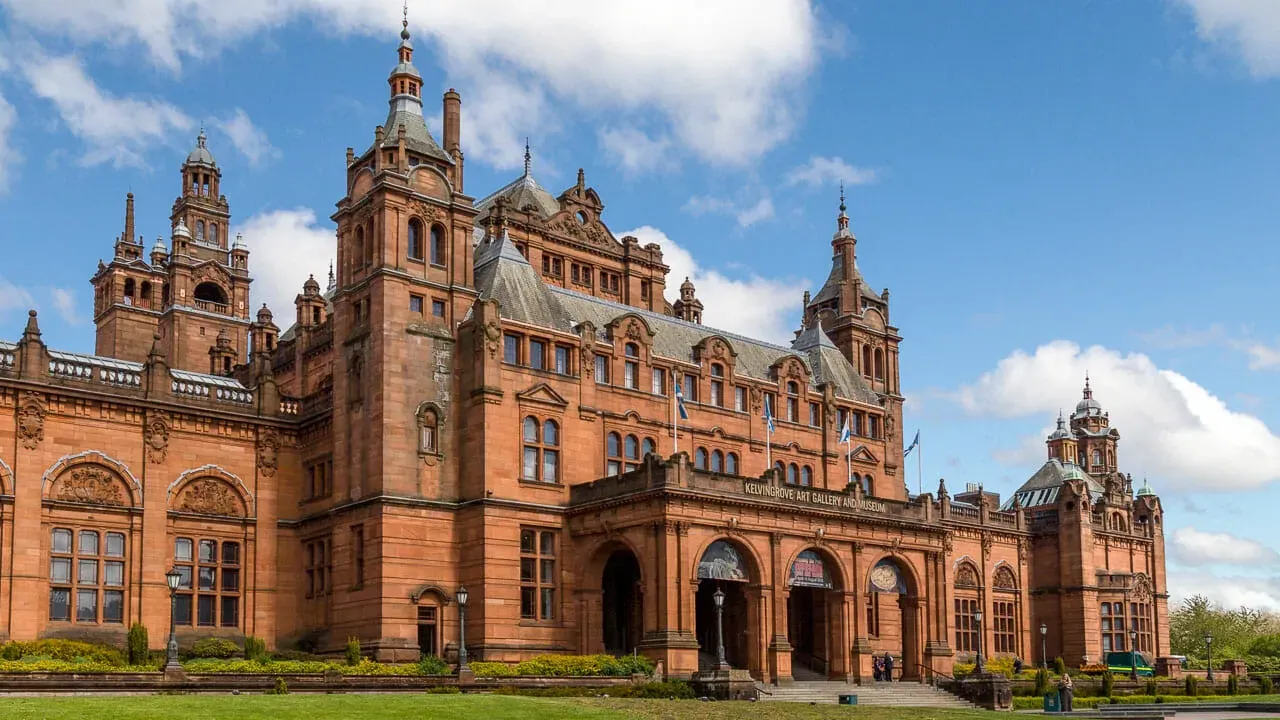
x=34, y=664
x=567, y=666
x=68, y=650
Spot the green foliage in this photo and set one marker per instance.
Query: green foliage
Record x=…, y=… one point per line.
x=297, y=655
x=67, y=650
x=1266, y=646
x=255, y=667
x=1108, y=684
x=1042, y=682
x=1233, y=685
x=1265, y=686
x=1152, y=687
x=670, y=690
x=1235, y=632
x=1190, y=686
x=137, y=644
x=353, y=650
x=1059, y=666
x=567, y=666
x=960, y=670
x=38, y=664
x=433, y=665
x=214, y=648
x=443, y=690
x=280, y=688
x=254, y=648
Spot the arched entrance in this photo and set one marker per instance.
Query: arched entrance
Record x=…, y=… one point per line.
x=622, y=603
x=813, y=617
x=892, y=620
x=723, y=568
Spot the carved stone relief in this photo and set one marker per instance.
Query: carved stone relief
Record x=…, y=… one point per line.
x=157, y=438
x=268, y=444
x=31, y=410
x=208, y=496
x=90, y=484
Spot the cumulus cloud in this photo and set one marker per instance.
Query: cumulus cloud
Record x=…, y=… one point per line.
x=745, y=215
x=754, y=306
x=1193, y=547
x=248, y=139
x=634, y=151
x=114, y=129
x=1172, y=429
x=13, y=297
x=722, y=82
x=828, y=171
x=1233, y=591
x=285, y=247
x=64, y=301
x=1248, y=28
x=9, y=155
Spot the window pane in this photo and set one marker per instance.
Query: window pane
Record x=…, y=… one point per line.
x=60, y=570
x=550, y=433
x=629, y=375
x=87, y=572
x=602, y=369
x=230, y=580
x=659, y=381
x=537, y=354
x=562, y=360
x=740, y=399
x=182, y=609
x=230, y=611
x=208, y=578
x=700, y=459
x=113, y=606
x=550, y=466
x=527, y=566
x=61, y=541
x=115, y=544
x=88, y=542
x=731, y=464
x=529, y=470
x=548, y=543
x=205, y=610
x=208, y=551
x=717, y=461
x=548, y=603
x=548, y=574
x=182, y=549
x=510, y=349
x=60, y=603
x=86, y=606
x=527, y=541
x=613, y=445
x=717, y=390
x=646, y=447
x=113, y=574
x=230, y=553
x=528, y=608
x=614, y=468
x=184, y=577
x=530, y=430
x=633, y=448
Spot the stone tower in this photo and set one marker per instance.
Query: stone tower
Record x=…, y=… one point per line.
x=129, y=295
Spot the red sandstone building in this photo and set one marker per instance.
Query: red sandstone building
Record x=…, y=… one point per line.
x=483, y=396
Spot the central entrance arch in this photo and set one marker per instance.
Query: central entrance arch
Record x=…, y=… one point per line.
x=622, y=603
x=723, y=567
x=813, y=617
x=893, y=615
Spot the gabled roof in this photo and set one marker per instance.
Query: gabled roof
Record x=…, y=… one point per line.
x=1042, y=488
x=523, y=192
x=831, y=288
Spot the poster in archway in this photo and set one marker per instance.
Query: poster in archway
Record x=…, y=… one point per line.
x=886, y=577
x=809, y=570
x=721, y=561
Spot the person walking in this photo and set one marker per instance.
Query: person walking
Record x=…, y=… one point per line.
x=888, y=667
x=1065, y=691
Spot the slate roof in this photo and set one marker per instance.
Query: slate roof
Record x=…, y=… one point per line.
x=522, y=192
x=831, y=288
x=1042, y=488
x=417, y=138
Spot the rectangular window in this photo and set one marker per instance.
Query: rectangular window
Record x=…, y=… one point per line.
x=87, y=606
x=182, y=610
x=873, y=426
x=1003, y=627
x=966, y=625
x=842, y=417
x=644, y=290
x=415, y=304
x=357, y=554
x=205, y=611
x=537, y=354
x=557, y=267
x=717, y=393
x=211, y=579
x=815, y=414
x=689, y=387
x=562, y=359
x=112, y=606
x=771, y=400
x=630, y=370
x=437, y=308
x=79, y=577
x=793, y=410
x=59, y=604
x=602, y=370
x=740, y=399
x=659, y=381
x=573, y=271
x=511, y=349
x=537, y=574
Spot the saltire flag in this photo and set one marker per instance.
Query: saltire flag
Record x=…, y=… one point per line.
x=845, y=432
x=684, y=413
x=914, y=444
x=768, y=415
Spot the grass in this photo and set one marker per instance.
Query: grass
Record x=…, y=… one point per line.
x=440, y=707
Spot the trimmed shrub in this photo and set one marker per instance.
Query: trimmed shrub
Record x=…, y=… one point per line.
x=669, y=689
x=443, y=690
x=1059, y=666
x=1189, y=686
x=67, y=650
x=567, y=666
x=214, y=648
x=1042, y=682
x=255, y=648
x=1108, y=684
x=37, y=664
x=281, y=687
x=433, y=665
x=1151, y=687
x=295, y=656
x=353, y=650
x=1233, y=684
x=1265, y=686
x=137, y=644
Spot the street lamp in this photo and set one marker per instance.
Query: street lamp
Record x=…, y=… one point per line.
x=721, y=664
x=462, y=631
x=1208, y=651
x=1133, y=655
x=1044, y=655
x=173, y=577
x=977, y=665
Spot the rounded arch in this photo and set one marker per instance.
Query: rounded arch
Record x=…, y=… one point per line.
x=68, y=463
x=209, y=291
x=433, y=590
x=873, y=317
x=831, y=561
x=245, y=497
x=415, y=238
x=908, y=585
x=966, y=574
x=6, y=478
x=1004, y=578
x=595, y=559
x=750, y=562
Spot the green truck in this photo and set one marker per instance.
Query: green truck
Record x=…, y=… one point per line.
x=1122, y=663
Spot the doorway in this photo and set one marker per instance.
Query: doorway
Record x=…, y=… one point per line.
x=622, y=603
x=807, y=632
x=428, y=630
x=735, y=616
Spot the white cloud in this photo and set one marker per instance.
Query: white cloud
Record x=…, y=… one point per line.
x=13, y=297
x=1178, y=338
x=829, y=171
x=1172, y=429
x=745, y=215
x=1249, y=28
x=723, y=82
x=1263, y=357
x=119, y=130
x=285, y=247
x=634, y=151
x=64, y=301
x=753, y=306
x=1228, y=591
x=9, y=155
x=248, y=139
x=1194, y=547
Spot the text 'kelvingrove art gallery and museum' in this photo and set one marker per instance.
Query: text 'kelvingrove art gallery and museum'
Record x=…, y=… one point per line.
x=483, y=396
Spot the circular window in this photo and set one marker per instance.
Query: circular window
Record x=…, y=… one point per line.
x=582, y=217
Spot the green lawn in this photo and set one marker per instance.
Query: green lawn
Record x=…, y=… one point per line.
x=442, y=707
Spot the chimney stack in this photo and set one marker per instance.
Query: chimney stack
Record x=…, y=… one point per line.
x=453, y=134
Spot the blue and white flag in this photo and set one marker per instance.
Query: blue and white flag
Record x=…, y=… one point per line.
x=768, y=415
x=914, y=444
x=684, y=414
x=845, y=432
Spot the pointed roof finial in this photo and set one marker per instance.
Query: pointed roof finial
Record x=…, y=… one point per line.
x=528, y=157
x=1088, y=391
x=404, y=24
x=333, y=280
x=842, y=220
x=842, y=207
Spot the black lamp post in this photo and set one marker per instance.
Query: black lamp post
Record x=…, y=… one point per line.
x=462, y=631
x=1208, y=651
x=721, y=663
x=977, y=665
x=173, y=577
x=1044, y=654
x=1133, y=655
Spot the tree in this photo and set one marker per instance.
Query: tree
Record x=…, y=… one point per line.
x=1235, y=632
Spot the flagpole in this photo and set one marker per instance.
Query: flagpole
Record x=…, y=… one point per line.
x=848, y=458
x=675, y=417
x=919, y=467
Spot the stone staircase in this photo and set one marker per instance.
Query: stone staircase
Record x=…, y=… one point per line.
x=901, y=694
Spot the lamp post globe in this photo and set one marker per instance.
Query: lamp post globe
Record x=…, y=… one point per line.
x=462, y=596
x=173, y=578
x=977, y=665
x=721, y=662
x=1044, y=654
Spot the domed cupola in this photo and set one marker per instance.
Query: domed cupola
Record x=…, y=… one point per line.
x=200, y=155
x=1087, y=407
x=1061, y=432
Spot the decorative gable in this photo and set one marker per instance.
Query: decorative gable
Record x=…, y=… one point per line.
x=863, y=454
x=542, y=394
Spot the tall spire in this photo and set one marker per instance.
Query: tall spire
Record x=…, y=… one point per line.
x=843, y=220
x=333, y=280
x=1088, y=391
x=528, y=157
x=128, y=218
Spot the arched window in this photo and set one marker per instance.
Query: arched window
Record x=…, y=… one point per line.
x=879, y=364
x=793, y=474
x=358, y=262
x=613, y=454
x=212, y=293
x=145, y=296
x=199, y=229
x=213, y=233
x=415, y=239
x=164, y=295
x=966, y=606
x=868, y=486
x=806, y=476
x=717, y=461
x=648, y=447
x=793, y=401
x=541, y=461
x=700, y=459
x=866, y=360
x=717, y=384
x=437, y=245
x=631, y=448
x=631, y=367
x=130, y=291
x=1097, y=457
x=781, y=469
x=428, y=431
x=731, y=464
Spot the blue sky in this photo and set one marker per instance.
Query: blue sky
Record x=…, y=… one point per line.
x=1046, y=188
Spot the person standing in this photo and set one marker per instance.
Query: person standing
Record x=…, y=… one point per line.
x=888, y=667
x=1017, y=666
x=1065, y=691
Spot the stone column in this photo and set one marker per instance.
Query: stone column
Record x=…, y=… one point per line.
x=779, y=646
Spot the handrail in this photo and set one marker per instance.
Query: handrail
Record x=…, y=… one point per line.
x=931, y=674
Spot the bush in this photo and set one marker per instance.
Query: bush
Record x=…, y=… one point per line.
x=66, y=650
x=1189, y=686
x=353, y=650
x=1108, y=684
x=295, y=655
x=1042, y=682
x=433, y=665
x=1233, y=685
x=1265, y=686
x=443, y=690
x=1059, y=667
x=254, y=648
x=214, y=648
x=281, y=687
x=270, y=667
x=567, y=666
x=1152, y=687
x=666, y=690
x=137, y=644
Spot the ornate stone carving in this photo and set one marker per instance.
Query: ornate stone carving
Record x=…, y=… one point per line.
x=1004, y=579
x=682, y=529
x=90, y=484
x=208, y=496
x=889, y=426
x=634, y=331
x=427, y=212
x=157, y=438
x=757, y=399
x=268, y=445
x=492, y=336
x=966, y=575
x=857, y=547
x=987, y=542
x=31, y=409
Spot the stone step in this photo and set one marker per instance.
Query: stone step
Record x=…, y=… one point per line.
x=828, y=692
